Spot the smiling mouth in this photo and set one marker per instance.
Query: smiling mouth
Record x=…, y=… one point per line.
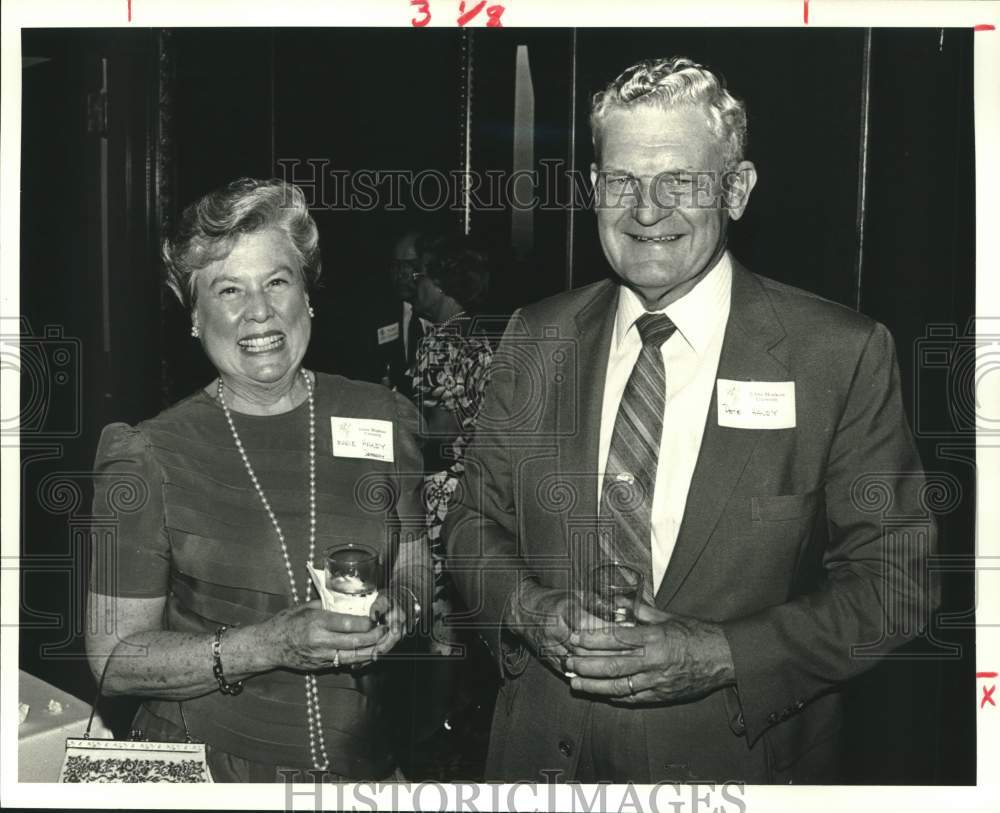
x=262, y=343
x=666, y=238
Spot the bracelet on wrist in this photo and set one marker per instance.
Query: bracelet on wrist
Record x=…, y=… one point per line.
x=415, y=610
x=224, y=686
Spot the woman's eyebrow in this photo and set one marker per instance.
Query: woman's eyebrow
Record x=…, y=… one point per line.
x=223, y=278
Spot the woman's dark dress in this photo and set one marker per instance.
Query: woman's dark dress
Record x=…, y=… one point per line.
x=185, y=522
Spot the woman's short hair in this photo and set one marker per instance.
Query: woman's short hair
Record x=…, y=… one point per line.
x=209, y=228
x=458, y=265
x=667, y=82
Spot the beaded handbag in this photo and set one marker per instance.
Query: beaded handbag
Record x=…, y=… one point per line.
x=135, y=759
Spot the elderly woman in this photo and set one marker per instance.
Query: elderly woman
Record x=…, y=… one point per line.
x=450, y=374
x=201, y=601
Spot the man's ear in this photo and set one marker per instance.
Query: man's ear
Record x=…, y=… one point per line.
x=737, y=186
x=600, y=198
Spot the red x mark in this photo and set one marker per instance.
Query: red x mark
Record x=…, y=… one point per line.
x=987, y=696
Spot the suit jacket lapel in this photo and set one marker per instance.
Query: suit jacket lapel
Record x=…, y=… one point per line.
x=593, y=326
x=751, y=351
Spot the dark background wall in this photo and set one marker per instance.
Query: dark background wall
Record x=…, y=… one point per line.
x=832, y=112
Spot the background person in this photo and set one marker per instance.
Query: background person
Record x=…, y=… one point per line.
x=450, y=376
x=398, y=340
x=450, y=373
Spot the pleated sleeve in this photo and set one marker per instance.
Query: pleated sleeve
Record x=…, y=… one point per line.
x=130, y=555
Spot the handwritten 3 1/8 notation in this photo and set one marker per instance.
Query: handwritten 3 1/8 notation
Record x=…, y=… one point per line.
x=465, y=15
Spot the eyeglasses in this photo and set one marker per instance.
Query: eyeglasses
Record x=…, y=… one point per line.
x=667, y=189
x=406, y=269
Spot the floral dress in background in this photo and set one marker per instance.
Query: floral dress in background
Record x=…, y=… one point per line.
x=451, y=371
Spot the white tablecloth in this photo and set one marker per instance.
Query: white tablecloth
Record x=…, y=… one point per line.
x=41, y=738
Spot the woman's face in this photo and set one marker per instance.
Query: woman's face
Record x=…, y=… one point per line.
x=427, y=298
x=253, y=314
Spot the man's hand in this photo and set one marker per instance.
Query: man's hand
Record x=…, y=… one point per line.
x=668, y=658
x=545, y=618
x=397, y=611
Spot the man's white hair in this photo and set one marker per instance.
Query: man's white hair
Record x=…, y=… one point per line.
x=667, y=82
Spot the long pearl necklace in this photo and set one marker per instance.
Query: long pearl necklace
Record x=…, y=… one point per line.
x=317, y=747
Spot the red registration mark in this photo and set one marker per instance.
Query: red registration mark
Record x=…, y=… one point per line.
x=987, y=690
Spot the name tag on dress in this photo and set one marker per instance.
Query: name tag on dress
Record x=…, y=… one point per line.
x=388, y=333
x=756, y=404
x=362, y=437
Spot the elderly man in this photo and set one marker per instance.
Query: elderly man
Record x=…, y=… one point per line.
x=709, y=427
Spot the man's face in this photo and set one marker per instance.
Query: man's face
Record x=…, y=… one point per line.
x=402, y=267
x=660, y=213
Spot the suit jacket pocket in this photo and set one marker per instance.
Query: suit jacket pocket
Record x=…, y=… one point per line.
x=777, y=508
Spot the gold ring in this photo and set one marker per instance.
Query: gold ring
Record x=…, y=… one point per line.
x=631, y=689
x=336, y=659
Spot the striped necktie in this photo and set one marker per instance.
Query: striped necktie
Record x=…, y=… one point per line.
x=630, y=474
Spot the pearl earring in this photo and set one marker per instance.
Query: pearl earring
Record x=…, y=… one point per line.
x=195, y=332
x=312, y=313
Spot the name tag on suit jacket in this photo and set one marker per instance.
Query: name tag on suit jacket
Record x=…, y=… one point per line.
x=756, y=404
x=388, y=333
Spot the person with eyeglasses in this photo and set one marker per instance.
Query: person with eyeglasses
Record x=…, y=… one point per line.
x=719, y=433
x=450, y=375
x=398, y=339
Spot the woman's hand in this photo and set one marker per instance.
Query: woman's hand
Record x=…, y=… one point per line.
x=311, y=638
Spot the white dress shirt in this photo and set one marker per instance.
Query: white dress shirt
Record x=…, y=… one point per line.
x=407, y=316
x=691, y=360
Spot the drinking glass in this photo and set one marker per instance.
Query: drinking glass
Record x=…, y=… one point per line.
x=615, y=589
x=352, y=578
